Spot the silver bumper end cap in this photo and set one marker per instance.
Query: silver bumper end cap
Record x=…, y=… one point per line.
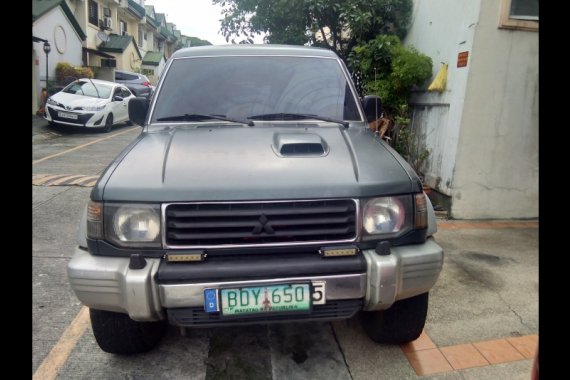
x=408, y=271
x=107, y=283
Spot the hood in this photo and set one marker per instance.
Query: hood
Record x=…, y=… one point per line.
x=216, y=163
x=73, y=100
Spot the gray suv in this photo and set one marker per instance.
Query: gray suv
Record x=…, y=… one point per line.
x=139, y=84
x=255, y=193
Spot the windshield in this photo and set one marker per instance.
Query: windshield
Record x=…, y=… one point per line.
x=88, y=89
x=239, y=87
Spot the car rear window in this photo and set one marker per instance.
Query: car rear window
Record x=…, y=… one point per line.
x=126, y=76
x=242, y=86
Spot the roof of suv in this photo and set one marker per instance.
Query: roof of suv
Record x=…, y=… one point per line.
x=264, y=49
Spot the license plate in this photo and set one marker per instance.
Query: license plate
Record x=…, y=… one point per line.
x=288, y=298
x=234, y=306
x=67, y=115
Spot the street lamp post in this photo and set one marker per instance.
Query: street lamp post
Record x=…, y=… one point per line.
x=47, y=49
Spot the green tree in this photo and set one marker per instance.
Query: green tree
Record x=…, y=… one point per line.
x=195, y=41
x=336, y=24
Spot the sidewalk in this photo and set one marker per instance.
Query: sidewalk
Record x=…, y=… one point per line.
x=483, y=311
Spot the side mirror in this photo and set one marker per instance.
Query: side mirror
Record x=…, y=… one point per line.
x=117, y=98
x=372, y=107
x=138, y=107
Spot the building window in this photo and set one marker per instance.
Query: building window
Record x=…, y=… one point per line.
x=93, y=13
x=123, y=28
x=519, y=14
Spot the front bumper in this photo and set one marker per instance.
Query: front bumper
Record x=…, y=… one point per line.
x=84, y=118
x=107, y=283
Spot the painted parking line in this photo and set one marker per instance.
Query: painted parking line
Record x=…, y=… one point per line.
x=64, y=180
x=84, y=145
x=58, y=355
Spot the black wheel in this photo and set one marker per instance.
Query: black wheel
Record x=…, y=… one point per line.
x=401, y=323
x=108, y=123
x=116, y=333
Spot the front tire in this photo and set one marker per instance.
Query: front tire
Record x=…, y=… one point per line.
x=108, y=123
x=401, y=323
x=116, y=333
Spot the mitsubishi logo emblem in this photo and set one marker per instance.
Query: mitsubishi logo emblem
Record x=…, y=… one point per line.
x=262, y=225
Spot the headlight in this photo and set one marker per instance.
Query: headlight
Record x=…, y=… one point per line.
x=90, y=108
x=386, y=215
x=133, y=225
x=52, y=102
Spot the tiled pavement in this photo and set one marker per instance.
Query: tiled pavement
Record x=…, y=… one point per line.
x=428, y=359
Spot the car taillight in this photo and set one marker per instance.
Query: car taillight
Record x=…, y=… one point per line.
x=146, y=84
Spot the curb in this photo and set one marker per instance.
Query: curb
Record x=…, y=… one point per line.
x=486, y=224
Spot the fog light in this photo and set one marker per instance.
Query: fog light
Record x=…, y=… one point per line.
x=338, y=251
x=185, y=257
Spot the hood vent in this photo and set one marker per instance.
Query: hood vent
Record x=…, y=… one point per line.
x=299, y=145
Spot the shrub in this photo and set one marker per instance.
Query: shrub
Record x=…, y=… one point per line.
x=389, y=69
x=66, y=73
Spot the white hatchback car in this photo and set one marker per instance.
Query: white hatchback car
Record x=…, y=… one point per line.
x=90, y=103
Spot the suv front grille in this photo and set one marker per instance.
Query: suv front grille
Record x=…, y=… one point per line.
x=238, y=224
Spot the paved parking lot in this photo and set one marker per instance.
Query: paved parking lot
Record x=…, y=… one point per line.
x=482, y=321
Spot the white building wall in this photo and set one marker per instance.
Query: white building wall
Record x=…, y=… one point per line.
x=482, y=131
x=157, y=71
x=496, y=170
x=441, y=29
x=64, y=40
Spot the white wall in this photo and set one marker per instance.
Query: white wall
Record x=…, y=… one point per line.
x=157, y=71
x=496, y=173
x=483, y=130
x=64, y=40
x=441, y=29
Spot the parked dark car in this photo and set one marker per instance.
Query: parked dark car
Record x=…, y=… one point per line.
x=139, y=84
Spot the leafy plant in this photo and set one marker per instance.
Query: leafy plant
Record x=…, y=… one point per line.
x=389, y=69
x=66, y=73
x=408, y=145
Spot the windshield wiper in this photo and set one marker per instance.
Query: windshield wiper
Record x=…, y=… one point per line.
x=296, y=116
x=198, y=117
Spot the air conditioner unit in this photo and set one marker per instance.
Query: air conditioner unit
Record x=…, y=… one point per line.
x=108, y=62
x=107, y=12
x=108, y=23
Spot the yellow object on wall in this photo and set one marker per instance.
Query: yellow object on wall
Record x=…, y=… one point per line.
x=440, y=80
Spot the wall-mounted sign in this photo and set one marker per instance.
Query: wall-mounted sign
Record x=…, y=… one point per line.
x=462, y=59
